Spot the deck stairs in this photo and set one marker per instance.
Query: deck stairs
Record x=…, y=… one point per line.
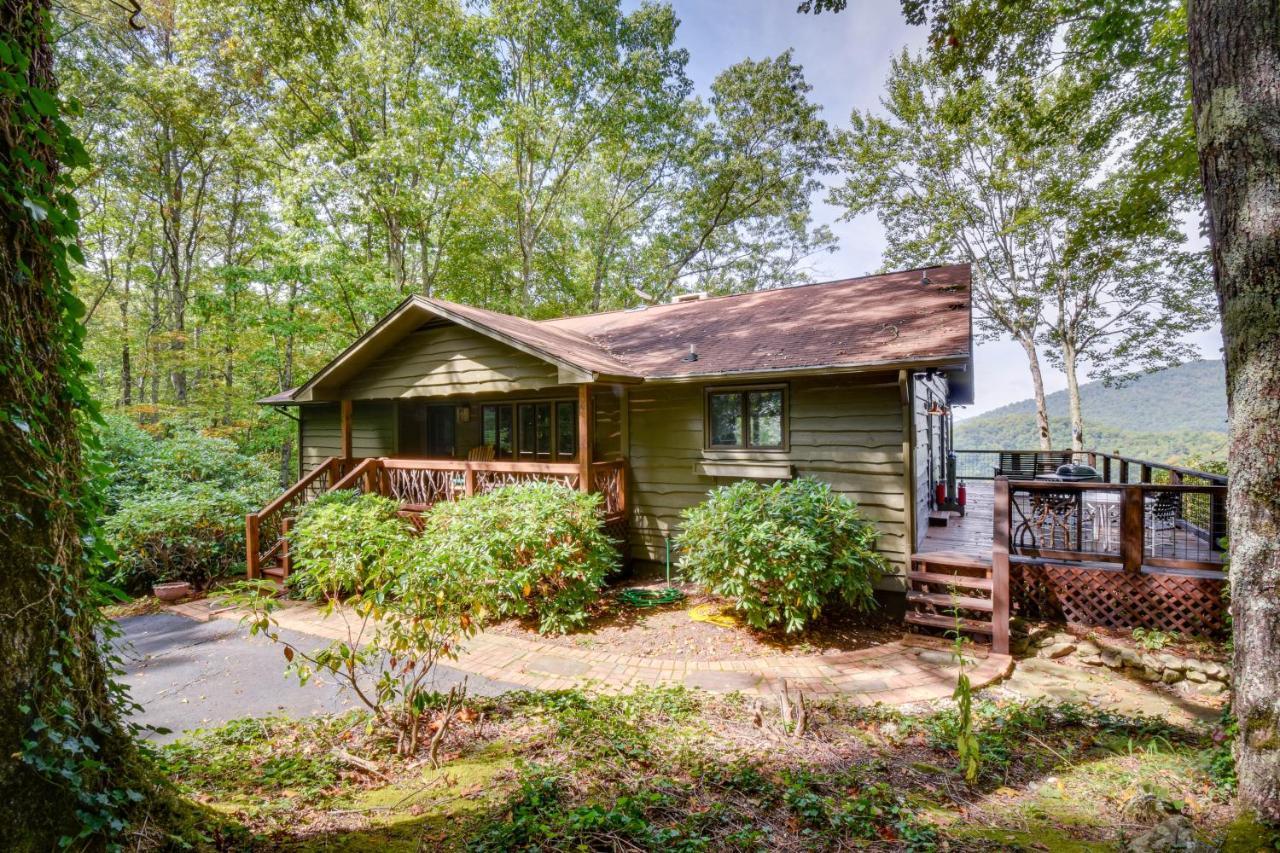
x=942, y=586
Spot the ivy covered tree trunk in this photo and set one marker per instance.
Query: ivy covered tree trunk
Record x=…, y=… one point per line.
x=1235, y=76
x=69, y=768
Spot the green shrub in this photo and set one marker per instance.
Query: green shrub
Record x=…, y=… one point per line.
x=344, y=543
x=400, y=613
x=194, y=534
x=781, y=552
x=175, y=504
x=535, y=549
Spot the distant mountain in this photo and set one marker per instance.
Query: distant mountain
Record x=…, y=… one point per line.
x=1173, y=415
x=1191, y=396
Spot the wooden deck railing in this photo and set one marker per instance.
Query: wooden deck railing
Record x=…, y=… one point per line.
x=264, y=529
x=416, y=484
x=1113, y=554
x=1112, y=467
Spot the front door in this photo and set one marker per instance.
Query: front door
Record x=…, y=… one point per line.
x=440, y=422
x=426, y=430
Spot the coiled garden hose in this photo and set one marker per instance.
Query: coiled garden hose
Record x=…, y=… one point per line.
x=653, y=597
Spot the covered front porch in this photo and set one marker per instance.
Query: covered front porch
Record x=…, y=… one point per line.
x=447, y=447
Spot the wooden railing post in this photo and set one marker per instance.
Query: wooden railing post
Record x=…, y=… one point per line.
x=1106, y=469
x=251, y=546
x=469, y=480
x=1132, y=528
x=1000, y=568
x=584, y=437
x=344, y=417
x=286, y=558
x=622, y=487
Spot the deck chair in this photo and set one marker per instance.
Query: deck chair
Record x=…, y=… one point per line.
x=1162, y=515
x=481, y=453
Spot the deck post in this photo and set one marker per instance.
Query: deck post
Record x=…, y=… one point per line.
x=344, y=409
x=286, y=559
x=1000, y=568
x=469, y=480
x=251, y=545
x=1132, y=521
x=584, y=437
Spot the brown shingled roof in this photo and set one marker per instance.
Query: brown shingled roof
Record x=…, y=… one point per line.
x=913, y=317
x=877, y=319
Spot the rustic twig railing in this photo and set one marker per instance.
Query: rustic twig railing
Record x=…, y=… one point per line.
x=416, y=484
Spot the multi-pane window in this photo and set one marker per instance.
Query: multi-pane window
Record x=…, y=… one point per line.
x=497, y=430
x=533, y=432
x=747, y=418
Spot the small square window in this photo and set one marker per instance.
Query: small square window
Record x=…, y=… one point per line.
x=764, y=418
x=751, y=418
x=726, y=420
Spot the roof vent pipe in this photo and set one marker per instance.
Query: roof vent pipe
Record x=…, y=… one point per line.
x=693, y=353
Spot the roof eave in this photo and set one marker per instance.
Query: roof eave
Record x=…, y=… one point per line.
x=951, y=360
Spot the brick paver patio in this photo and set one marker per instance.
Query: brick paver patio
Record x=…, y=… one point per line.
x=914, y=669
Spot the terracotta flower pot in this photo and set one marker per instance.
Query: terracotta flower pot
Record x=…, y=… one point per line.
x=171, y=591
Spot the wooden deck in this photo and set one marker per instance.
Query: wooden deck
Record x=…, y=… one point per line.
x=968, y=535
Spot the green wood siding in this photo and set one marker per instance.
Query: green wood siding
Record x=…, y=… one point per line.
x=449, y=360
x=845, y=432
x=372, y=431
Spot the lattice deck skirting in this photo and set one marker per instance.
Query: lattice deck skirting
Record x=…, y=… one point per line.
x=1086, y=595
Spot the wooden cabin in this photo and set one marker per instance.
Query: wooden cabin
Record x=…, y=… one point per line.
x=847, y=381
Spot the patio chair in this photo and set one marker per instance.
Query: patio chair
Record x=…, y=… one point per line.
x=1162, y=516
x=481, y=453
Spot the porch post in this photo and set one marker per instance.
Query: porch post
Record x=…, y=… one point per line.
x=345, y=410
x=1000, y=601
x=584, y=437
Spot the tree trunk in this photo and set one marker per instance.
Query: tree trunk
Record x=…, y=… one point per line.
x=1235, y=81
x=1073, y=397
x=1037, y=385
x=126, y=368
x=55, y=694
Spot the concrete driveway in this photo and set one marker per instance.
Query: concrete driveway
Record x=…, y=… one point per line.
x=188, y=675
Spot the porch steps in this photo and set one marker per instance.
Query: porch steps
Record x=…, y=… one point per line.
x=946, y=591
x=948, y=623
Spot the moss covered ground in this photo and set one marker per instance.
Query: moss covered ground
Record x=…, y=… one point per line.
x=674, y=770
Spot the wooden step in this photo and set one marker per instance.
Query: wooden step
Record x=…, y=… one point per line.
x=273, y=571
x=948, y=623
x=959, y=581
x=939, y=519
x=944, y=558
x=938, y=599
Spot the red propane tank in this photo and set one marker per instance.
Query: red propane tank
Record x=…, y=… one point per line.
x=960, y=495
x=940, y=494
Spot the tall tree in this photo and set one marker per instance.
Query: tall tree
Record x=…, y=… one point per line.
x=1235, y=77
x=1064, y=266
x=71, y=774
x=1133, y=57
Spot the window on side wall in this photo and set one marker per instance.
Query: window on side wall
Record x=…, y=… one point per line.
x=746, y=418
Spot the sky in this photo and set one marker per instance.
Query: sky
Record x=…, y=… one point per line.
x=846, y=59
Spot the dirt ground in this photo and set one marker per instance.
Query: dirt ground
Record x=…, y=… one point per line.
x=672, y=631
